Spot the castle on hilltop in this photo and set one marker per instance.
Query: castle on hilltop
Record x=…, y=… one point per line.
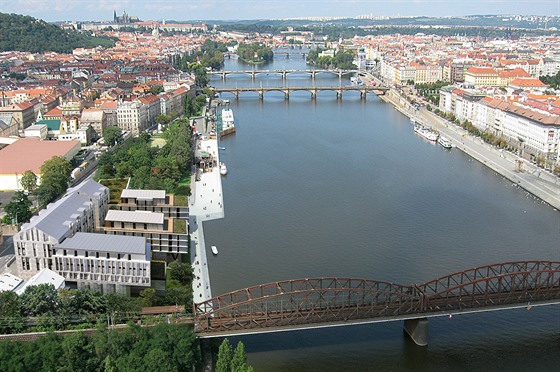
x=124, y=19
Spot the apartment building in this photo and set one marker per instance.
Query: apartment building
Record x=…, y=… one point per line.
x=98, y=195
x=74, y=212
x=33, y=245
x=105, y=263
x=152, y=201
x=132, y=117
x=168, y=237
x=530, y=125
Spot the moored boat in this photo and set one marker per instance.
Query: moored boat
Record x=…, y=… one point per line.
x=228, y=122
x=223, y=169
x=214, y=250
x=445, y=142
x=428, y=134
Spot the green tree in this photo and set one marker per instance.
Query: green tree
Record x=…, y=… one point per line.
x=18, y=209
x=29, y=181
x=156, y=89
x=182, y=272
x=86, y=301
x=239, y=360
x=148, y=297
x=223, y=364
x=9, y=304
x=56, y=172
x=78, y=354
x=39, y=299
x=112, y=136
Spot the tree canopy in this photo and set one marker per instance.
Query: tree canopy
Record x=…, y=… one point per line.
x=112, y=136
x=232, y=361
x=18, y=209
x=55, y=175
x=28, y=34
x=163, y=348
x=151, y=167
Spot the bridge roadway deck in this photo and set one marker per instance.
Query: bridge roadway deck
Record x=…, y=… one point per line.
x=384, y=319
x=282, y=72
x=364, y=90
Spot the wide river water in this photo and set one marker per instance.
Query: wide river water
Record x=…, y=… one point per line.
x=345, y=188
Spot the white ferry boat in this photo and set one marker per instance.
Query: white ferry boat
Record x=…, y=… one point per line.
x=214, y=250
x=445, y=142
x=228, y=122
x=428, y=134
x=223, y=169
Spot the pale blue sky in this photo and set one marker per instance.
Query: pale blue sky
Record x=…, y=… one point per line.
x=58, y=10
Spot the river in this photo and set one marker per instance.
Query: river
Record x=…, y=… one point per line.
x=345, y=188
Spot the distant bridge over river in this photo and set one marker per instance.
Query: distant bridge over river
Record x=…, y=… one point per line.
x=328, y=302
x=283, y=73
x=364, y=90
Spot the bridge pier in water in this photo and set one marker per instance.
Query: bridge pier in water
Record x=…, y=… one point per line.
x=417, y=329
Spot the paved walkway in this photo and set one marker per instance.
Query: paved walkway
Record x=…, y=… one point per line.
x=537, y=181
x=205, y=203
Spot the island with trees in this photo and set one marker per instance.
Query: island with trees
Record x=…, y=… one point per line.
x=255, y=53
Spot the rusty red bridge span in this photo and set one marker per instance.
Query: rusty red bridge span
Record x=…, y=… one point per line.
x=327, y=302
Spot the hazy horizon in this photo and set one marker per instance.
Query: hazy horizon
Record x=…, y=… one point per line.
x=181, y=10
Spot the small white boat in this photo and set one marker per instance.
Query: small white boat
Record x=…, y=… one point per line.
x=223, y=169
x=214, y=250
x=445, y=142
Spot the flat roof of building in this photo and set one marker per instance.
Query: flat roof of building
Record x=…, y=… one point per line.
x=143, y=194
x=105, y=243
x=135, y=216
x=30, y=153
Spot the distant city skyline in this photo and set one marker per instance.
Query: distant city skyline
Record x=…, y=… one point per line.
x=102, y=10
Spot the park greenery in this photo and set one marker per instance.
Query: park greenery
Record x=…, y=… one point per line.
x=430, y=91
x=341, y=60
x=210, y=54
x=163, y=348
x=152, y=167
x=28, y=34
x=255, y=53
x=43, y=308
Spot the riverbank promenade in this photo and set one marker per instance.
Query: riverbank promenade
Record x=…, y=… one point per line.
x=205, y=203
x=534, y=180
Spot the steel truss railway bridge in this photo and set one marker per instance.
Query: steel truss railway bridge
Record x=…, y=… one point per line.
x=283, y=73
x=328, y=302
x=379, y=90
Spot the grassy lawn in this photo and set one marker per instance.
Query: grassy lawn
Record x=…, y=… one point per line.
x=180, y=200
x=157, y=142
x=116, y=186
x=179, y=226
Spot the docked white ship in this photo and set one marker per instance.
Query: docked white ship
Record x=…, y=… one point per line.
x=228, y=122
x=428, y=134
x=445, y=142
